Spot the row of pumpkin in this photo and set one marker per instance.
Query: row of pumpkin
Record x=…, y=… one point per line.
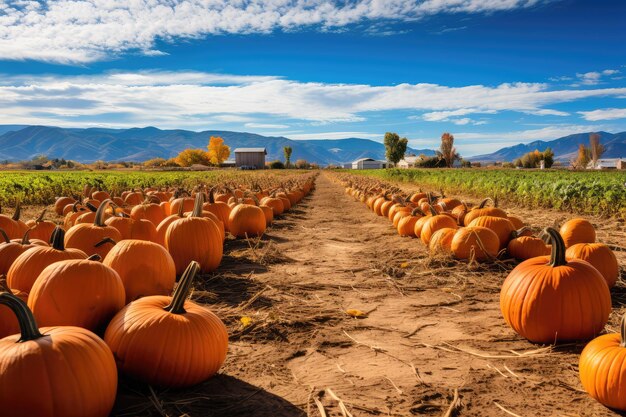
x=559, y=293
x=102, y=278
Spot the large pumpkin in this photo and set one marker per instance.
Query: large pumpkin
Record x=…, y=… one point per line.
x=54, y=371
x=13, y=226
x=196, y=345
x=406, y=222
x=600, y=256
x=195, y=238
x=145, y=268
x=478, y=242
x=577, y=231
x=602, y=368
x=441, y=240
x=86, y=236
x=83, y=293
x=548, y=299
x=27, y=267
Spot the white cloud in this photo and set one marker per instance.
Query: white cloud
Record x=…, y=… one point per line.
x=603, y=114
x=265, y=126
x=195, y=99
x=78, y=31
x=335, y=135
x=593, y=77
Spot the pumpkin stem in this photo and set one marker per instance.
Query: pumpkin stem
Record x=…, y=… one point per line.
x=517, y=233
x=40, y=218
x=99, y=220
x=177, y=306
x=18, y=210
x=25, y=318
x=5, y=236
x=416, y=211
x=197, y=205
x=3, y=284
x=57, y=238
x=433, y=212
x=25, y=240
x=622, y=327
x=105, y=241
x=557, y=256
x=95, y=257
x=212, y=195
x=91, y=207
x=485, y=201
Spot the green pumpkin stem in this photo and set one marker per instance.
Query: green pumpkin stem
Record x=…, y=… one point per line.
x=25, y=318
x=99, y=220
x=177, y=306
x=622, y=326
x=57, y=240
x=557, y=256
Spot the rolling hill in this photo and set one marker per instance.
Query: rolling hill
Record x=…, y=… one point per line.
x=139, y=144
x=564, y=148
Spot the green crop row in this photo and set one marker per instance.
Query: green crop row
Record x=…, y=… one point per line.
x=593, y=192
x=43, y=187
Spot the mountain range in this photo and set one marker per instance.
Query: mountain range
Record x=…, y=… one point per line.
x=565, y=148
x=19, y=143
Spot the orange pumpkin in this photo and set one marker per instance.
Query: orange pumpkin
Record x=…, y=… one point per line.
x=86, y=236
x=483, y=243
x=406, y=224
x=10, y=251
x=526, y=247
x=197, y=339
x=60, y=204
x=222, y=210
x=500, y=225
x=27, y=267
x=441, y=240
x=483, y=210
x=148, y=211
x=78, y=292
x=577, y=231
x=600, y=256
x=195, y=238
x=54, y=371
x=145, y=268
x=602, y=368
x=13, y=226
x=40, y=228
x=548, y=299
x=246, y=220
x=434, y=223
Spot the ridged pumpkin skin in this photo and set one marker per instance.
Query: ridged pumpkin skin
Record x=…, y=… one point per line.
x=440, y=221
x=10, y=251
x=86, y=236
x=600, y=256
x=500, y=225
x=64, y=372
x=577, y=231
x=195, y=348
x=526, y=247
x=441, y=240
x=246, y=219
x=195, y=239
x=26, y=268
x=602, y=369
x=474, y=237
x=61, y=203
x=406, y=224
x=152, y=212
x=80, y=293
x=482, y=210
x=275, y=203
x=145, y=268
x=547, y=299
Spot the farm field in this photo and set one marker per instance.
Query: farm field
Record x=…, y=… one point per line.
x=596, y=193
x=433, y=342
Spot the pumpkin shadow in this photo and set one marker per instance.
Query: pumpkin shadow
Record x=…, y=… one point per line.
x=229, y=290
x=618, y=295
x=220, y=396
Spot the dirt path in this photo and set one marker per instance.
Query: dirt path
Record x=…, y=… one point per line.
x=433, y=328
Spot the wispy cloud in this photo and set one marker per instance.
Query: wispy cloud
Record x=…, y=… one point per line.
x=335, y=135
x=266, y=126
x=603, y=114
x=79, y=31
x=593, y=77
x=190, y=99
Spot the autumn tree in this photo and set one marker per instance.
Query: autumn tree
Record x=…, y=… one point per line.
x=218, y=151
x=582, y=158
x=395, y=147
x=447, y=150
x=596, y=148
x=190, y=157
x=287, y=150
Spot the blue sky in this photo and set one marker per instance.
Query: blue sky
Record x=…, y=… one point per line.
x=492, y=72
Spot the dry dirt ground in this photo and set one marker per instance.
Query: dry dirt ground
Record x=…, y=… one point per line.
x=433, y=343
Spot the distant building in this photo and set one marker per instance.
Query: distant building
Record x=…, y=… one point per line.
x=250, y=157
x=409, y=161
x=347, y=165
x=229, y=163
x=369, y=163
x=608, y=163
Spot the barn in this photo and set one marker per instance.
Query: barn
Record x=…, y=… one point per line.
x=368, y=163
x=250, y=157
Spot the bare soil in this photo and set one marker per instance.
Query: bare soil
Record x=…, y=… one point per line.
x=433, y=342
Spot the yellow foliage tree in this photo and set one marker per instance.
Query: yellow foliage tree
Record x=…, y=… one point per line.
x=189, y=157
x=218, y=152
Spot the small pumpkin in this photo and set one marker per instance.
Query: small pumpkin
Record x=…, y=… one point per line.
x=500, y=225
x=441, y=240
x=577, y=231
x=600, y=256
x=481, y=243
x=54, y=371
x=548, y=299
x=246, y=220
x=602, y=368
x=60, y=204
x=40, y=228
x=85, y=236
x=483, y=210
x=406, y=224
x=13, y=226
x=10, y=251
x=526, y=247
x=196, y=345
x=434, y=223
